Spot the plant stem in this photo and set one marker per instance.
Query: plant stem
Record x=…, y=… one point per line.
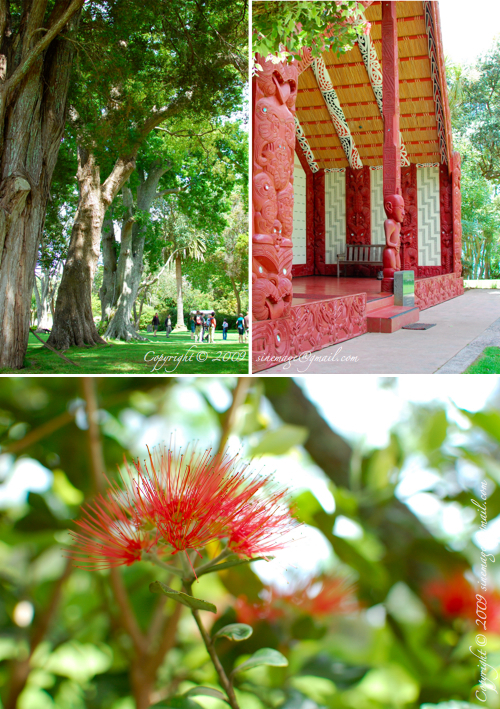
x=223, y=679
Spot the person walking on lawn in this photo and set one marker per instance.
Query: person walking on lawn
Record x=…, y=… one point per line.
x=211, y=327
x=156, y=323
x=168, y=325
x=198, y=331
x=240, y=324
x=225, y=327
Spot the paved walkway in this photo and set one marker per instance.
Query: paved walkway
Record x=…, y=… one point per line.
x=462, y=325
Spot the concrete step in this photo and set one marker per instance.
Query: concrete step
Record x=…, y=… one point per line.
x=384, y=300
x=392, y=318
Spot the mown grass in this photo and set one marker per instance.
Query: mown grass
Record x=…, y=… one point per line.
x=487, y=363
x=185, y=357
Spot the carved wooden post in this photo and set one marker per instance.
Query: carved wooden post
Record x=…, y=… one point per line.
x=392, y=151
x=274, y=94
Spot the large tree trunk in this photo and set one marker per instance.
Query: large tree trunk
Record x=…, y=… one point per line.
x=130, y=263
x=34, y=80
x=107, y=292
x=74, y=321
x=180, y=303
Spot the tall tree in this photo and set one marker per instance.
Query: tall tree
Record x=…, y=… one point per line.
x=172, y=58
x=36, y=57
x=184, y=242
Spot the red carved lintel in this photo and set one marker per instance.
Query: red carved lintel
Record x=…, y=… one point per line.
x=391, y=154
x=409, y=227
x=445, y=200
x=434, y=290
x=307, y=269
x=309, y=328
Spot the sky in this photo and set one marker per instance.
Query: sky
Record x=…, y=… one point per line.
x=468, y=28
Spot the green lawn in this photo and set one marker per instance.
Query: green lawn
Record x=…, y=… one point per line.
x=185, y=357
x=487, y=363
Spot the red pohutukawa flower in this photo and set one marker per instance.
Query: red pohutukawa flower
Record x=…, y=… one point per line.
x=183, y=501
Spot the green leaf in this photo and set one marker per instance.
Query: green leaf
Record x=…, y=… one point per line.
x=205, y=692
x=264, y=656
x=231, y=561
x=280, y=441
x=489, y=421
x=234, y=631
x=180, y=597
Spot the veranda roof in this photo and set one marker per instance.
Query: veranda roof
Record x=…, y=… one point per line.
x=422, y=89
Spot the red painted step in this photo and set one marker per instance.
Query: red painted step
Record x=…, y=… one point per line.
x=392, y=318
x=382, y=300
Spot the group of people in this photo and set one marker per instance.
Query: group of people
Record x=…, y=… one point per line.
x=156, y=324
x=203, y=326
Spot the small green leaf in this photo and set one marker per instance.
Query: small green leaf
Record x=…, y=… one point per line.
x=264, y=656
x=184, y=598
x=205, y=692
x=234, y=631
x=281, y=440
x=233, y=560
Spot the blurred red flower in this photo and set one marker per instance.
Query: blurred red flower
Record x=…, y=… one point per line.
x=455, y=597
x=321, y=596
x=183, y=501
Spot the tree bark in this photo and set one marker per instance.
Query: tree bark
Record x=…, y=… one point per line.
x=74, y=322
x=236, y=295
x=130, y=263
x=107, y=292
x=180, y=325
x=35, y=70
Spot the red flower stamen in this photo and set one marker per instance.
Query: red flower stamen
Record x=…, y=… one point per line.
x=185, y=500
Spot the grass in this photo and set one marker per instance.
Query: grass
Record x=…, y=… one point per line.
x=487, y=363
x=186, y=357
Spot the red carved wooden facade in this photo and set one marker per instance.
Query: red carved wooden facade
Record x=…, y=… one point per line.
x=274, y=92
x=445, y=199
x=358, y=215
x=409, y=228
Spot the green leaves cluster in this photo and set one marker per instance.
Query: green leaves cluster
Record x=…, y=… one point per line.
x=284, y=28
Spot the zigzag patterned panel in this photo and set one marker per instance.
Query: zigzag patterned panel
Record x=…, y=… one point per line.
x=299, y=214
x=429, y=217
x=377, y=206
x=334, y=215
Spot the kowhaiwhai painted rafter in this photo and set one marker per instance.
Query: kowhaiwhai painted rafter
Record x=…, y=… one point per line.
x=438, y=100
x=336, y=113
x=304, y=144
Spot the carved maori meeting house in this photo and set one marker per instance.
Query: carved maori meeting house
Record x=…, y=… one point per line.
x=337, y=142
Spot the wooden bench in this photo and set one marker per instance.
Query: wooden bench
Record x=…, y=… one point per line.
x=367, y=254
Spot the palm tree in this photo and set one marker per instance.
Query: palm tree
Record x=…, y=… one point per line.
x=184, y=243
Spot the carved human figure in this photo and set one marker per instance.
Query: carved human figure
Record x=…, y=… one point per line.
x=394, y=206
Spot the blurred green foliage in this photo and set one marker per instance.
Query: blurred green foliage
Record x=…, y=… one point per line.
x=401, y=648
